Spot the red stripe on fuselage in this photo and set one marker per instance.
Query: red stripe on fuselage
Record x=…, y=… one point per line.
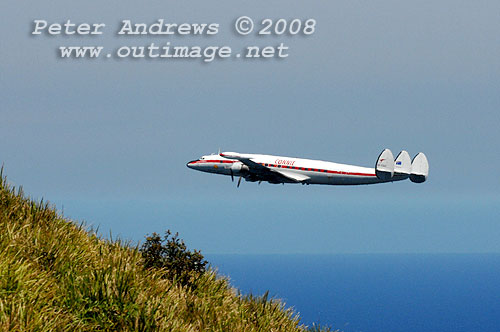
x=290, y=167
x=212, y=161
x=318, y=170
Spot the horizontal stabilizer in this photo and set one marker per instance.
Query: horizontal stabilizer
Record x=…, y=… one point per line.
x=384, y=168
x=402, y=165
x=419, y=168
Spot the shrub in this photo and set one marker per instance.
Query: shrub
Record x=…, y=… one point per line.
x=171, y=254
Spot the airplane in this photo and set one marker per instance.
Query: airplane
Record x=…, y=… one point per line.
x=277, y=169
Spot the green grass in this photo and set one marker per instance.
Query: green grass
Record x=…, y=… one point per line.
x=56, y=275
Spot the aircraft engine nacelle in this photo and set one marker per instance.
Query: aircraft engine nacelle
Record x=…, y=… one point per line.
x=238, y=167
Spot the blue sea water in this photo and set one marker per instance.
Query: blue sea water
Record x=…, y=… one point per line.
x=377, y=292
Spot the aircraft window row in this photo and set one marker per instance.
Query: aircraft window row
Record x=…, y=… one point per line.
x=297, y=168
x=218, y=161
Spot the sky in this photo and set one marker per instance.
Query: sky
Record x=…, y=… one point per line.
x=106, y=140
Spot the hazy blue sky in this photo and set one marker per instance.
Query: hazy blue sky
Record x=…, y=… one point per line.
x=108, y=139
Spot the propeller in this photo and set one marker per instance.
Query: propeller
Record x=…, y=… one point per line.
x=239, y=181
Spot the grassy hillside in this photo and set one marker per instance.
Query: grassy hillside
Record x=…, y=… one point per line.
x=57, y=276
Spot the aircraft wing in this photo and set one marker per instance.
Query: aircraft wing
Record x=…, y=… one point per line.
x=292, y=175
x=255, y=167
x=268, y=174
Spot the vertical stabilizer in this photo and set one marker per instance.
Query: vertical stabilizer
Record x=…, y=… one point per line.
x=384, y=168
x=419, y=168
x=402, y=165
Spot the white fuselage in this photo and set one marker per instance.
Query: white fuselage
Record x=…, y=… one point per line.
x=317, y=171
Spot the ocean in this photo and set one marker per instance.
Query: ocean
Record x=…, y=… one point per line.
x=377, y=292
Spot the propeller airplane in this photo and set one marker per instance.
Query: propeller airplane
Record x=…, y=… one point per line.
x=276, y=169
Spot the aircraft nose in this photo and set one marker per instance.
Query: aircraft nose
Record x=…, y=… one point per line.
x=191, y=164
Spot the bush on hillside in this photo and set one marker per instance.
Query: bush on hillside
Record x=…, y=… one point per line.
x=171, y=254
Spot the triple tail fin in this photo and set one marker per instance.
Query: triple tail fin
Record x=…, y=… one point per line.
x=384, y=168
x=402, y=165
x=419, y=168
